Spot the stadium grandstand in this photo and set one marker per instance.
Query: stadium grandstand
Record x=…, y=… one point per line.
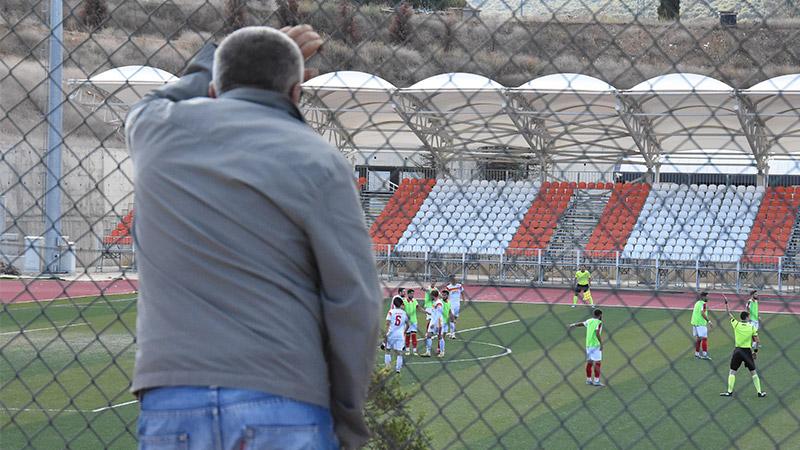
x=682, y=175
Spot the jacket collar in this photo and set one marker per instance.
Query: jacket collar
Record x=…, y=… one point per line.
x=266, y=98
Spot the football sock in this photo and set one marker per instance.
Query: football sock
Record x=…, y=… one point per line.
x=441, y=344
x=732, y=381
x=414, y=341
x=697, y=347
x=757, y=383
x=597, y=370
x=704, y=343
x=575, y=299
x=589, y=370
x=408, y=340
x=387, y=359
x=452, y=327
x=399, y=364
x=428, y=344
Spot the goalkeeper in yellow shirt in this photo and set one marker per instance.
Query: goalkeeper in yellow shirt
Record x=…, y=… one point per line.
x=582, y=279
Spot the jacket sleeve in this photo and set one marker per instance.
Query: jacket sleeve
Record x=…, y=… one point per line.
x=193, y=83
x=351, y=300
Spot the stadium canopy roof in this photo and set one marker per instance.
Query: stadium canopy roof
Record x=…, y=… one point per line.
x=127, y=84
x=674, y=119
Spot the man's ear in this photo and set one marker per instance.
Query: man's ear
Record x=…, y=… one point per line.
x=212, y=92
x=295, y=93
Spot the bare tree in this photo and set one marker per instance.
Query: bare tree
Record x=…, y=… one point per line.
x=235, y=12
x=94, y=13
x=400, y=28
x=669, y=9
x=288, y=12
x=347, y=22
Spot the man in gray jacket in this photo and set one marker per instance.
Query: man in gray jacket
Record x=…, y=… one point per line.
x=258, y=302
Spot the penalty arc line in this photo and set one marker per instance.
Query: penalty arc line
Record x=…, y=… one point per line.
x=506, y=351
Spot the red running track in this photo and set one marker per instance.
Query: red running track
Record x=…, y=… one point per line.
x=621, y=298
x=20, y=291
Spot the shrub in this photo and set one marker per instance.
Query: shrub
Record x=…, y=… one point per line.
x=388, y=416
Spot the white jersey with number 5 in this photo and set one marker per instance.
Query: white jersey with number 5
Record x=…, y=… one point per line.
x=397, y=323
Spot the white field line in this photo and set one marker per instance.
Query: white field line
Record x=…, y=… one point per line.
x=34, y=409
x=118, y=405
x=434, y=360
x=489, y=326
x=44, y=304
x=601, y=305
x=23, y=331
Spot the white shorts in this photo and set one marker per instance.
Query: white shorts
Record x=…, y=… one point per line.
x=397, y=344
x=755, y=324
x=433, y=329
x=445, y=327
x=594, y=354
x=455, y=308
x=700, y=331
x=412, y=328
x=428, y=313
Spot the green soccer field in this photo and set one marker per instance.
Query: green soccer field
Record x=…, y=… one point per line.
x=479, y=396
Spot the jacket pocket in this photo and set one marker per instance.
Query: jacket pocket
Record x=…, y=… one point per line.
x=284, y=437
x=179, y=441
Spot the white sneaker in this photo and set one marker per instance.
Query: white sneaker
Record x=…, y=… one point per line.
x=440, y=355
x=598, y=384
x=408, y=352
x=426, y=355
x=573, y=305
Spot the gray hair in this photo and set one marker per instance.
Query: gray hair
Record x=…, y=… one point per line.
x=259, y=57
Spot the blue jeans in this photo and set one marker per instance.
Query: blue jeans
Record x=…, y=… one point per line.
x=214, y=418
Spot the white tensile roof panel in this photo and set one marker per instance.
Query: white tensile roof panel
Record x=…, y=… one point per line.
x=350, y=80
x=569, y=82
x=130, y=83
x=686, y=113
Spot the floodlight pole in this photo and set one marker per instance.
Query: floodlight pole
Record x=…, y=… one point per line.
x=52, y=212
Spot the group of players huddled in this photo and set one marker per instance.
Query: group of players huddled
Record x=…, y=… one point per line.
x=441, y=307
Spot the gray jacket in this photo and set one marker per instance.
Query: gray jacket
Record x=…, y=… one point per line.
x=256, y=268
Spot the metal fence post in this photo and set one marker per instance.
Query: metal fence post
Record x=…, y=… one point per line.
x=738, y=280
x=463, y=265
x=697, y=274
x=780, y=274
x=55, y=120
x=389, y=261
x=658, y=273
x=541, y=269
x=616, y=265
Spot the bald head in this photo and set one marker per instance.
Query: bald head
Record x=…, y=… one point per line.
x=258, y=57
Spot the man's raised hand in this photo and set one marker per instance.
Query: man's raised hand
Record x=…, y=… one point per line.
x=309, y=42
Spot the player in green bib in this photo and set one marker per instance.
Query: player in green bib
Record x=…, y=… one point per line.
x=582, y=279
x=428, y=303
x=700, y=325
x=446, y=308
x=594, y=346
x=744, y=334
x=411, y=305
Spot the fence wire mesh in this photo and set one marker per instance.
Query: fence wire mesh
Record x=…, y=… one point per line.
x=500, y=144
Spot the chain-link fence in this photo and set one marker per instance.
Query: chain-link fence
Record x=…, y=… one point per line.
x=504, y=145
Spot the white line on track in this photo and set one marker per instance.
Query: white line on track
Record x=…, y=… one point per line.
x=489, y=326
x=23, y=331
x=118, y=405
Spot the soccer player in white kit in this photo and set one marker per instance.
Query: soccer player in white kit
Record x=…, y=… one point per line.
x=396, y=326
x=455, y=291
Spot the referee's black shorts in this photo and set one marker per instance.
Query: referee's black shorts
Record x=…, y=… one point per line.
x=581, y=288
x=742, y=355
